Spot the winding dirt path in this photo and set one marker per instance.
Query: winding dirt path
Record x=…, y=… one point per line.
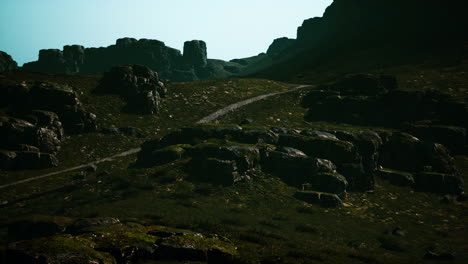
x=230, y=108
x=207, y=119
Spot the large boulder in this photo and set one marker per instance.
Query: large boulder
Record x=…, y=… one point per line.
x=24, y=145
x=138, y=84
x=195, y=53
x=16, y=132
x=7, y=63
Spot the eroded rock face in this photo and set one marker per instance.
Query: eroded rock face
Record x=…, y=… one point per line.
x=139, y=85
x=7, y=63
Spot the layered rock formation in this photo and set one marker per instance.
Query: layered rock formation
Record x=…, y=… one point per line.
x=168, y=62
x=7, y=63
x=32, y=127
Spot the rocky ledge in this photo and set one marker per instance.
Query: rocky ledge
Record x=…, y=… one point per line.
x=322, y=164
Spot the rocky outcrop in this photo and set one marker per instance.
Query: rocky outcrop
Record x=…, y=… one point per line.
x=22, y=98
x=279, y=45
x=375, y=100
x=137, y=84
x=7, y=63
x=154, y=54
x=195, y=53
x=109, y=241
x=323, y=163
x=29, y=145
x=36, y=118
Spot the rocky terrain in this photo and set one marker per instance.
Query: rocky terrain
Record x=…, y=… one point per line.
x=103, y=160
x=33, y=123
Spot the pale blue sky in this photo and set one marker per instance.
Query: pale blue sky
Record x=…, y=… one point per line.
x=231, y=28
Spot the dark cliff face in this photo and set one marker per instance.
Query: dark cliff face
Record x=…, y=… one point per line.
x=367, y=23
x=7, y=63
x=168, y=62
x=386, y=26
